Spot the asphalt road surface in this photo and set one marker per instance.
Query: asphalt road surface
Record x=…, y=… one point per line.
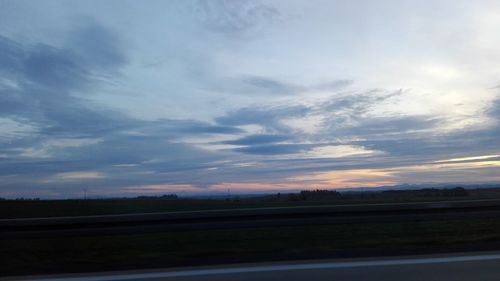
x=464, y=267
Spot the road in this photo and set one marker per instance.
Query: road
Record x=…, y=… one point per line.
x=461, y=267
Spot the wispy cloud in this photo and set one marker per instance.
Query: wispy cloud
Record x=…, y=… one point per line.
x=75, y=176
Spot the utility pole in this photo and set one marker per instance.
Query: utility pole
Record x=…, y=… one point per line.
x=84, y=194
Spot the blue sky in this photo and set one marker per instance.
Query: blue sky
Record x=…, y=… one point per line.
x=145, y=97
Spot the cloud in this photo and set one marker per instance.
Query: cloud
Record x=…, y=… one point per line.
x=258, y=139
x=494, y=110
x=180, y=128
x=75, y=176
x=10, y=52
x=270, y=86
x=97, y=47
x=333, y=85
x=54, y=68
x=273, y=149
x=360, y=103
x=387, y=127
x=48, y=80
x=229, y=17
x=470, y=159
x=50, y=97
x=261, y=115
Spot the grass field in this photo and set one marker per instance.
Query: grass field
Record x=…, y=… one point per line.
x=241, y=245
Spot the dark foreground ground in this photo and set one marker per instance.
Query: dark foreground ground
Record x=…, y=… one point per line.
x=187, y=248
x=252, y=243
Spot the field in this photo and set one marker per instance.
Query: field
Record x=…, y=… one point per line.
x=54, y=208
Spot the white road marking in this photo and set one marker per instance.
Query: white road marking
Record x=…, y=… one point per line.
x=270, y=268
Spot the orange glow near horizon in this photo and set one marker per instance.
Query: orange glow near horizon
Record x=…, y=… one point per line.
x=246, y=187
x=350, y=178
x=327, y=180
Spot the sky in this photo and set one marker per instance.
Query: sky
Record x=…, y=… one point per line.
x=127, y=98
